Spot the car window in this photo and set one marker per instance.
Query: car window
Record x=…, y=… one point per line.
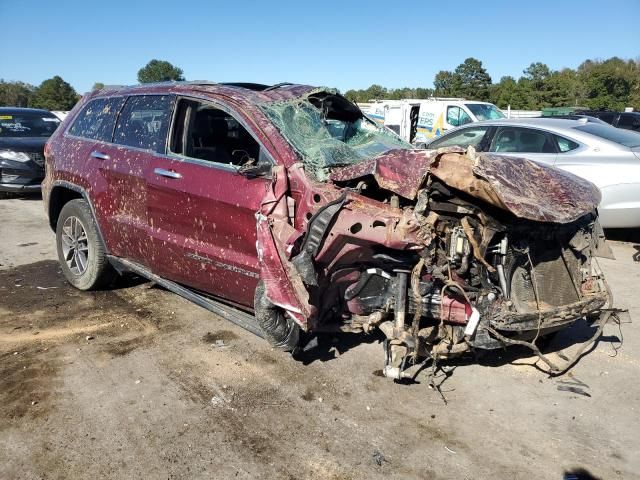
x=462, y=138
x=521, y=140
x=617, y=135
x=205, y=132
x=144, y=122
x=606, y=117
x=97, y=119
x=564, y=144
x=485, y=111
x=630, y=121
x=27, y=124
x=456, y=116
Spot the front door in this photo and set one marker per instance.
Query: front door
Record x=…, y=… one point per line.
x=201, y=209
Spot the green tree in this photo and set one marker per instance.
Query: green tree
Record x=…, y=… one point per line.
x=15, y=94
x=444, y=84
x=54, y=94
x=471, y=80
x=97, y=86
x=503, y=93
x=159, y=71
x=608, y=84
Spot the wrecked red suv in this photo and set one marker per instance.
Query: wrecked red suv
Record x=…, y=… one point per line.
x=291, y=206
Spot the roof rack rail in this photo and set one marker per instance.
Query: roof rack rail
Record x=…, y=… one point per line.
x=248, y=85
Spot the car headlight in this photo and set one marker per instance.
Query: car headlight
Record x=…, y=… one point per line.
x=15, y=156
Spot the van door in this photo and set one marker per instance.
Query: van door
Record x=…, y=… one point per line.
x=430, y=122
x=393, y=119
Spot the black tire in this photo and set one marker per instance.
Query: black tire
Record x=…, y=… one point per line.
x=97, y=271
x=279, y=330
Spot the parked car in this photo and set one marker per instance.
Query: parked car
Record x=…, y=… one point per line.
x=290, y=204
x=417, y=121
x=23, y=133
x=626, y=120
x=588, y=118
x=604, y=155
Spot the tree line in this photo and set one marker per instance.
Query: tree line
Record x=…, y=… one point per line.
x=596, y=84
x=56, y=94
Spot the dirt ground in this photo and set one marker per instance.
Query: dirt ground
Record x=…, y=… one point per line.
x=135, y=382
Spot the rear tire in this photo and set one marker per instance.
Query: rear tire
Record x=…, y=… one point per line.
x=81, y=254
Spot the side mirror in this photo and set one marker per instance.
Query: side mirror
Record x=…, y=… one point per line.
x=254, y=171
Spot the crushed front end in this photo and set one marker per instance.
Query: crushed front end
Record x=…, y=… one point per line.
x=445, y=252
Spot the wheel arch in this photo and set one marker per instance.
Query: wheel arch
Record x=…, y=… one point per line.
x=63, y=192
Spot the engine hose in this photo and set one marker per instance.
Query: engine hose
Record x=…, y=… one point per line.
x=554, y=370
x=281, y=331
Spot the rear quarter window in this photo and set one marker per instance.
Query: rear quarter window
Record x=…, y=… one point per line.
x=564, y=144
x=97, y=119
x=144, y=122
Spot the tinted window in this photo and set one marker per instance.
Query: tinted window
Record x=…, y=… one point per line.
x=457, y=116
x=630, y=121
x=564, y=144
x=616, y=135
x=27, y=124
x=144, y=122
x=606, y=117
x=463, y=138
x=97, y=119
x=521, y=140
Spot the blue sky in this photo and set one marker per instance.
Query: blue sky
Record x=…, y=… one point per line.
x=344, y=44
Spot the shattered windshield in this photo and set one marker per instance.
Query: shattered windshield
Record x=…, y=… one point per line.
x=329, y=131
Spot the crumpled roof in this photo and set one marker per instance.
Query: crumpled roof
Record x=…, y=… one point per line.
x=525, y=188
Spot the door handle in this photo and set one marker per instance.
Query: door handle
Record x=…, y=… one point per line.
x=167, y=173
x=99, y=155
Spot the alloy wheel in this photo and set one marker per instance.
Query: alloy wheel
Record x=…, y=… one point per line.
x=75, y=246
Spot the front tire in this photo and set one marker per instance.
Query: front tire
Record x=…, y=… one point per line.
x=279, y=330
x=81, y=254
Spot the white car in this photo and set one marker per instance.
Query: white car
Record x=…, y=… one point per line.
x=606, y=156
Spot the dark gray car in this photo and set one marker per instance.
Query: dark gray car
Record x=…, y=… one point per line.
x=23, y=133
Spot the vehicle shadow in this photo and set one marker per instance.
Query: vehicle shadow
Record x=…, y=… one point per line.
x=327, y=347
x=31, y=196
x=631, y=235
x=324, y=347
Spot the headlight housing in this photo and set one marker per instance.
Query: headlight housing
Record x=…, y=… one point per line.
x=14, y=156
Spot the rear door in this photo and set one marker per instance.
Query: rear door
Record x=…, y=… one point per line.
x=201, y=210
x=530, y=143
x=139, y=137
x=393, y=119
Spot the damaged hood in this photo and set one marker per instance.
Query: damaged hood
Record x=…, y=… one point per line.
x=527, y=189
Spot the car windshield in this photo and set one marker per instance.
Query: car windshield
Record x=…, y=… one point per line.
x=616, y=135
x=27, y=124
x=328, y=131
x=484, y=111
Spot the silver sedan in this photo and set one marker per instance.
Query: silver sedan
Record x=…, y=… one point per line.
x=606, y=156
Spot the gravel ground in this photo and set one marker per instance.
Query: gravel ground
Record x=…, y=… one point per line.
x=135, y=382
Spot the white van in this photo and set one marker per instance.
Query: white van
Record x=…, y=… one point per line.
x=419, y=121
